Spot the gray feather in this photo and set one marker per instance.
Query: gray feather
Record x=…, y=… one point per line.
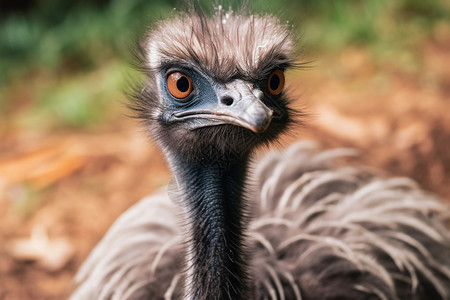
x=376, y=238
x=318, y=231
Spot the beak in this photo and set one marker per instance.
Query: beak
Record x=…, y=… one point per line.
x=236, y=103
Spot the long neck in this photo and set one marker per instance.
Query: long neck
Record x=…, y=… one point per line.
x=212, y=193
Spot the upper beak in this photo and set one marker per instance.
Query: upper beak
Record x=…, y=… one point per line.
x=236, y=103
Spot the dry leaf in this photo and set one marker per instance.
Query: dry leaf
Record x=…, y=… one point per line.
x=43, y=166
x=50, y=254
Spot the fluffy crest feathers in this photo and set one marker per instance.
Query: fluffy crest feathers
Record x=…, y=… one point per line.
x=226, y=45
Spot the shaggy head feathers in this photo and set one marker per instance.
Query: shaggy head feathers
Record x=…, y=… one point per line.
x=225, y=46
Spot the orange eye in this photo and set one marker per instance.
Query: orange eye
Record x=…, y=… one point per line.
x=179, y=85
x=276, y=82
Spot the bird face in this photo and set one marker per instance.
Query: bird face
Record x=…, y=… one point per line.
x=197, y=101
x=216, y=84
x=231, y=116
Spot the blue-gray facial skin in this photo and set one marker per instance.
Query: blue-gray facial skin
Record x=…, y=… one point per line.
x=236, y=102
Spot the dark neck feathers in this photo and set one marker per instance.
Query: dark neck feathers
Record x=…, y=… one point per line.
x=211, y=190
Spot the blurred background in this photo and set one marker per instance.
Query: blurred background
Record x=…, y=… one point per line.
x=71, y=160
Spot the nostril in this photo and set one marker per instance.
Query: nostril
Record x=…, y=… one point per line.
x=227, y=100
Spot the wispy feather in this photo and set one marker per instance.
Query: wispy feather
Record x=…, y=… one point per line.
x=385, y=245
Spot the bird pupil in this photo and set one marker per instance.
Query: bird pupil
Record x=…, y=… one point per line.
x=183, y=84
x=274, y=82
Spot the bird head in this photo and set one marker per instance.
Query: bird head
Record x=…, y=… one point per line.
x=215, y=84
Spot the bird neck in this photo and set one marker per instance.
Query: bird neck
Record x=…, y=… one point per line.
x=212, y=191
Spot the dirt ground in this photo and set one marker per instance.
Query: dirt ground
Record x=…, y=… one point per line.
x=60, y=191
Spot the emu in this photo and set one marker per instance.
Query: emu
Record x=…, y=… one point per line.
x=299, y=227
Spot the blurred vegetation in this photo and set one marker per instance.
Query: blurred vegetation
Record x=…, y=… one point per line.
x=63, y=63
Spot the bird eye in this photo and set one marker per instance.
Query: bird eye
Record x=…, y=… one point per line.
x=179, y=85
x=276, y=82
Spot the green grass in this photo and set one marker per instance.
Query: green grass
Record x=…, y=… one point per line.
x=80, y=100
x=70, y=59
x=54, y=35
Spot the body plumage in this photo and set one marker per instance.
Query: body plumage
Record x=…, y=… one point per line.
x=301, y=227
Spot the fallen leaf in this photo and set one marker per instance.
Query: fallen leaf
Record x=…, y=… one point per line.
x=51, y=254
